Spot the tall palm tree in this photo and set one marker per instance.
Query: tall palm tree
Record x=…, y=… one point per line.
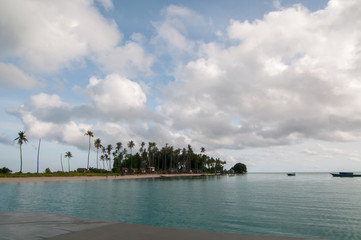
x=189, y=156
x=131, y=145
x=68, y=155
x=203, y=150
x=142, y=152
x=117, y=155
x=21, y=139
x=37, y=157
x=61, y=162
x=171, y=156
x=102, y=157
x=177, y=153
x=98, y=145
x=90, y=134
x=109, y=152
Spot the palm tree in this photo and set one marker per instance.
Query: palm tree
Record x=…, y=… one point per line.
x=68, y=155
x=37, y=157
x=102, y=157
x=189, y=156
x=109, y=151
x=117, y=155
x=98, y=145
x=131, y=146
x=142, y=152
x=21, y=139
x=153, y=148
x=203, y=150
x=61, y=162
x=177, y=153
x=171, y=156
x=90, y=134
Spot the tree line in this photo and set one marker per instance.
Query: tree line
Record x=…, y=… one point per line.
x=148, y=155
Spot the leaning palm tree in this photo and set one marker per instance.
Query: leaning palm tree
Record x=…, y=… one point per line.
x=98, y=145
x=90, y=134
x=21, y=139
x=68, y=155
x=131, y=145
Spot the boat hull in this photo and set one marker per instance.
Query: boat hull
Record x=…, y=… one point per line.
x=345, y=175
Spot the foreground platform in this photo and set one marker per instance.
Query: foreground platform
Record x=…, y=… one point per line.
x=34, y=226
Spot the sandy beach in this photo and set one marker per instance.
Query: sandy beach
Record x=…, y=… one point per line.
x=88, y=178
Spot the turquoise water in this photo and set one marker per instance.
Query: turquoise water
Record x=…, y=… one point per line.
x=307, y=205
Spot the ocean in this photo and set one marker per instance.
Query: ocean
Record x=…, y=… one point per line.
x=309, y=205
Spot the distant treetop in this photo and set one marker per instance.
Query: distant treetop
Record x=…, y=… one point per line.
x=240, y=168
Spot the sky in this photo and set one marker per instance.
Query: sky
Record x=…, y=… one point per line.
x=272, y=84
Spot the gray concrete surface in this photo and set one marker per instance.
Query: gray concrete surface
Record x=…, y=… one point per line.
x=34, y=226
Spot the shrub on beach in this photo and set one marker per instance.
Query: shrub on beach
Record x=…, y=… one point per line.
x=5, y=170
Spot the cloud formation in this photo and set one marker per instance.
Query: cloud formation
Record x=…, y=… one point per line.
x=47, y=37
x=12, y=77
x=116, y=96
x=290, y=76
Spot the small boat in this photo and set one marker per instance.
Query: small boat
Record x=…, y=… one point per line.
x=291, y=174
x=346, y=174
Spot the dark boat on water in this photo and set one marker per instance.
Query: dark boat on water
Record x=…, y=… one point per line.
x=346, y=174
x=291, y=174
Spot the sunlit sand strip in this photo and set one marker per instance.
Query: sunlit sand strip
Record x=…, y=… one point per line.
x=88, y=178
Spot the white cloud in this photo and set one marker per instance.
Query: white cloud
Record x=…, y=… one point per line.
x=290, y=76
x=173, y=31
x=127, y=60
x=115, y=95
x=53, y=35
x=13, y=77
x=107, y=4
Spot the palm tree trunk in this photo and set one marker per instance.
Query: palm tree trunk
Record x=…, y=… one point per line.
x=68, y=164
x=88, y=154
x=61, y=162
x=37, y=158
x=97, y=157
x=21, y=160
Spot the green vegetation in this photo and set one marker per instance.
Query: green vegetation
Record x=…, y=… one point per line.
x=165, y=159
x=239, y=168
x=5, y=170
x=149, y=158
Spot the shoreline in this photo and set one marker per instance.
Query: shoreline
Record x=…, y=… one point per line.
x=89, y=178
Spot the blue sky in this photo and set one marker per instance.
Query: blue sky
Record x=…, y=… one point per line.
x=272, y=84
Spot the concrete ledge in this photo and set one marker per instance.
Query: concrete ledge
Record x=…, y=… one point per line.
x=36, y=226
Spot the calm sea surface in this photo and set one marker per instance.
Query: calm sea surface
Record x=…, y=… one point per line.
x=307, y=205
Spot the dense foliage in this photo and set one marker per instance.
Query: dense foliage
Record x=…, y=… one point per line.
x=166, y=158
x=5, y=170
x=239, y=168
